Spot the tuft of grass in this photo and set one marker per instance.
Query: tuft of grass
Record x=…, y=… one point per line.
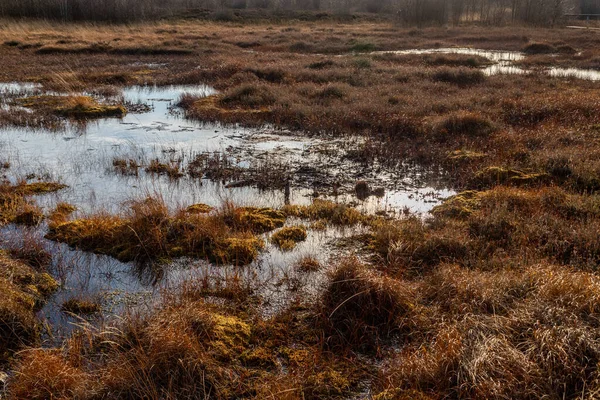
x=14, y=205
x=361, y=307
x=539, y=48
x=46, y=374
x=321, y=64
x=308, y=264
x=458, y=76
x=125, y=167
x=363, y=47
x=171, y=169
x=286, y=238
x=199, y=209
x=24, y=292
x=324, y=210
x=491, y=176
x=248, y=96
x=81, y=307
x=150, y=233
x=29, y=216
x=467, y=124
x=78, y=107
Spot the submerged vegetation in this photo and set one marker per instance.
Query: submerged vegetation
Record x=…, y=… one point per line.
x=493, y=294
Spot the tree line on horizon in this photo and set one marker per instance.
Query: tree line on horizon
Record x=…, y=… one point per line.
x=410, y=12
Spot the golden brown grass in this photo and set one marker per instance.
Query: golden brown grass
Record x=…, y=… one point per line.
x=15, y=206
x=493, y=296
x=149, y=232
x=24, y=292
x=287, y=237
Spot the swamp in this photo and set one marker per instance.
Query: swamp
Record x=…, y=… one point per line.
x=303, y=206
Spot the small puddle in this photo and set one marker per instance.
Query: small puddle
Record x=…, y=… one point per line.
x=503, y=62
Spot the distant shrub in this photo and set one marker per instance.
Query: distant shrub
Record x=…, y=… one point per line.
x=538, y=48
x=330, y=92
x=223, y=16
x=248, y=96
x=458, y=76
x=361, y=63
x=363, y=47
x=301, y=47
x=270, y=74
x=464, y=123
x=321, y=64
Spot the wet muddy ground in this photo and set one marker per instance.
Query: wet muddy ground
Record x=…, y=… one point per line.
x=253, y=167
x=154, y=151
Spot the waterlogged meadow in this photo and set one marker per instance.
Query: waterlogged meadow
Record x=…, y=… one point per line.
x=192, y=210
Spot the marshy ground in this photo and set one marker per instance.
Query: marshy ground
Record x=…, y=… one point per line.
x=308, y=210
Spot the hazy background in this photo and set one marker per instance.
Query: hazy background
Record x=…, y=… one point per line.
x=410, y=12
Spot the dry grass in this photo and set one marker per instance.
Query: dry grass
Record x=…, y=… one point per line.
x=24, y=292
x=149, y=232
x=45, y=374
x=493, y=296
x=15, y=206
x=287, y=237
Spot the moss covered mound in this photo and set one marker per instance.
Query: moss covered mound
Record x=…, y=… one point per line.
x=14, y=206
x=149, y=232
x=286, y=238
x=24, y=291
x=79, y=107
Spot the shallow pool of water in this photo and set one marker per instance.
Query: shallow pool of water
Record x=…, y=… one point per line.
x=82, y=158
x=503, y=62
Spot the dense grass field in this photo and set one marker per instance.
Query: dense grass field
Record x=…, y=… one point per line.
x=492, y=294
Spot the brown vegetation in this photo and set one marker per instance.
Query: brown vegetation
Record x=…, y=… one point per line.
x=148, y=232
x=494, y=295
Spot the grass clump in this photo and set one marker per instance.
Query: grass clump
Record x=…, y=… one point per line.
x=199, y=209
x=308, y=264
x=321, y=64
x=29, y=216
x=459, y=206
x=257, y=220
x=24, y=292
x=361, y=307
x=78, y=107
x=334, y=213
x=148, y=232
x=363, y=47
x=463, y=155
x=81, y=307
x=458, y=76
x=538, y=48
x=491, y=176
x=14, y=206
x=28, y=189
x=248, y=96
x=47, y=374
x=61, y=213
x=287, y=238
x=171, y=169
x=125, y=167
x=467, y=124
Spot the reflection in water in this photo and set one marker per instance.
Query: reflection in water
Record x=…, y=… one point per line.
x=503, y=62
x=82, y=157
x=84, y=160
